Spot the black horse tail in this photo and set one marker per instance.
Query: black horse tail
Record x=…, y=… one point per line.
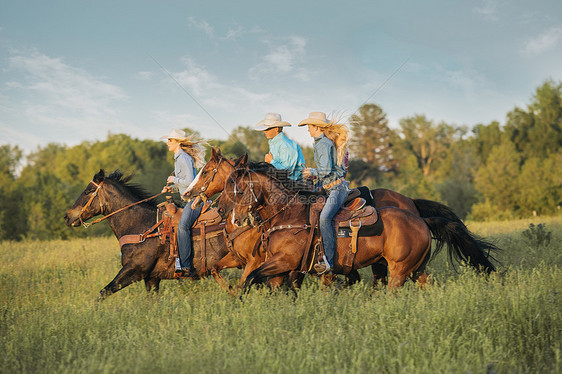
x=463, y=246
x=474, y=243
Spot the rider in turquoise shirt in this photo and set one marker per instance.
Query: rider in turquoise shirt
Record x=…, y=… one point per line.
x=284, y=153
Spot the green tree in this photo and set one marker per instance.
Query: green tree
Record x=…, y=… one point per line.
x=540, y=185
x=427, y=142
x=372, y=139
x=537, y=131
x=485, y=138
x=12, y=217
x=496, y=181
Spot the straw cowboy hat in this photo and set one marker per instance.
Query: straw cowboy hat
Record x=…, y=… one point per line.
x=316, y=119
x=179, y=135
x=271, y=120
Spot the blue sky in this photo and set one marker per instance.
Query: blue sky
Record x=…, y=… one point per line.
x=75, y=70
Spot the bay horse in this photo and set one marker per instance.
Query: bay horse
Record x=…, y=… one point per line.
x=214, y=175
x=244, y=242
x=404, y=244
x=148, y=260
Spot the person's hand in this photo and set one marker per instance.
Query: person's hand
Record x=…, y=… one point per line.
x=170, y=179
x=306, y=173
x=166, y=189
x=268, y=158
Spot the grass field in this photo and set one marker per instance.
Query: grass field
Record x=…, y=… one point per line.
x=510, y=323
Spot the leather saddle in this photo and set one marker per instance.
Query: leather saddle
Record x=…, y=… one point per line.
x=355, y=212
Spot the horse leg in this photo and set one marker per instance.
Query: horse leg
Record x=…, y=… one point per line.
x=227, y=262
x=295, y=279
x=152, y=284
x=397, y=275
x=252, y=265
x=277, y=265
x=352, y=278
x=380, y=273
x=125, y=277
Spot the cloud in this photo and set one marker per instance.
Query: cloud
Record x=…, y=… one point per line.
x=545, y=42
x=202, y=26
x=63, y=86
x=488, y=10
x=55, y=101
x=282, y=58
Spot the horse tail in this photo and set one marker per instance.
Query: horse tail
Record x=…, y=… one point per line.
x=463, y=245
x=428, y=208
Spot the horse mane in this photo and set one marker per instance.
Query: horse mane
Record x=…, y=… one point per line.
x=134, y=189
x=279, y=175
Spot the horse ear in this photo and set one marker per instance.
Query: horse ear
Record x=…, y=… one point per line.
x=100, y=176
x=241, y=161
x=213, y=152
x=218, y=151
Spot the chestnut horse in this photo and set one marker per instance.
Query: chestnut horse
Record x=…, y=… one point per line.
x=148, y=260
x=404, y=243
x=214, y=175
x=244, y=242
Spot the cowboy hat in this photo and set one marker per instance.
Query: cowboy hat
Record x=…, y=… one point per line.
x=316, y=119
x=271, y=120
x=179, y=135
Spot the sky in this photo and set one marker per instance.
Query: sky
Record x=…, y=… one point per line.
x=74, y=71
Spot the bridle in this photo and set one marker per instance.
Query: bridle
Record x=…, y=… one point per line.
x=210, y=179
x=95, y=193
x=251, y=209
x=87, y=205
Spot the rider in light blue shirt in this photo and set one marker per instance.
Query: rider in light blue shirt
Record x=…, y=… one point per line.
x=284, y=153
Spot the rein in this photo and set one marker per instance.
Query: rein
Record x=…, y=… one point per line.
x=99, y=186
x=210, y=179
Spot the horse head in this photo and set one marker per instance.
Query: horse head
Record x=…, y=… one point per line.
x=88, y=203
x=244, y=194
x=211, y=178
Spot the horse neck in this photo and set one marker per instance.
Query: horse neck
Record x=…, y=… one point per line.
x=294, y=209
x=219, y=181
x=130, y=220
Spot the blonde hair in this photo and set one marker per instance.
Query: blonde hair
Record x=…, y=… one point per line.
x=339, y=134
x=195, y=149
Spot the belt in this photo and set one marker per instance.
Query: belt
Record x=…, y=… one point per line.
x=334, y=183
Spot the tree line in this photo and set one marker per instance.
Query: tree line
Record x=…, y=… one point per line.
x=487, y=172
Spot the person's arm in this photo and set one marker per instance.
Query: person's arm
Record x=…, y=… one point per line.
x=324, y=161
x=284, y=157
x=184, y=166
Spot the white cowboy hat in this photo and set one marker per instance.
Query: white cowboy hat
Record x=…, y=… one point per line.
x=271, y=120
x=179, y=135
x=316, y=119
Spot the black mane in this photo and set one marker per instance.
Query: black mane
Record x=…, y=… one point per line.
x=282, y=176
x=136, y=190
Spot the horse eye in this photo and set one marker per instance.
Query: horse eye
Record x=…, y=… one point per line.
x=204, y=173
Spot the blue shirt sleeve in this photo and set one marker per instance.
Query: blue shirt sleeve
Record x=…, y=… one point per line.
x=284, y=157
x=323, y=159
x=184, y=171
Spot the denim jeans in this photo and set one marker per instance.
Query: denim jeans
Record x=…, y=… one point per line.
x=336, y=198
x=185, y=247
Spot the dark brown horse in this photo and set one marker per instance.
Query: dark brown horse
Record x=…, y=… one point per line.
x=214, y=175
x=404, y=243
x=148, y=260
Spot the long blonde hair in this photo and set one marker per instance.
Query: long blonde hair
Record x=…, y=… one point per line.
x=339, y=134
x=196, y=150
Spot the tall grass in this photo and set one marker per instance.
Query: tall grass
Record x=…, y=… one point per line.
x=509, y=322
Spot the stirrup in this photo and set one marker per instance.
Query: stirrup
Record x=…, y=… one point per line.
x=322, y=267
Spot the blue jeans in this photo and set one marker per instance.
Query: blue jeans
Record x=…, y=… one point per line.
x=336, y=198
x=185, y=247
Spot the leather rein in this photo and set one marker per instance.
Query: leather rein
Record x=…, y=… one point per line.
x=98, y=188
